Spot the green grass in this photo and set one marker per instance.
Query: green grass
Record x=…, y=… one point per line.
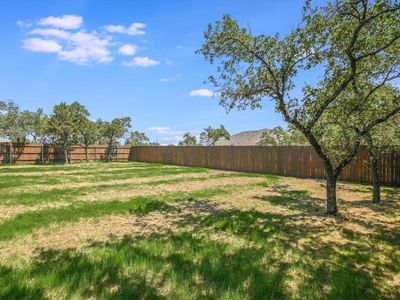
x=249, y=249
x=30, y=221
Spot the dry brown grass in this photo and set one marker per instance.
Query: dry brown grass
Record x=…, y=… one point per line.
x=161, y=189
x=81, y=182
x=354, y=217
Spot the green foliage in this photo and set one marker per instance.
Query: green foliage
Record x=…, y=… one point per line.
x=116, y=129
x=352, y=44
x=211, y=135
x=89, y=133
x=68, y=124
x=188, y=140
x=19, y=125
x=278, y=136
x=137, y=138
x=36, y=124
x=65, y=124
x=12, y=122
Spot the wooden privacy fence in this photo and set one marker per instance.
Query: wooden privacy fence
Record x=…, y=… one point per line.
x=39, y=153
x=297, y=161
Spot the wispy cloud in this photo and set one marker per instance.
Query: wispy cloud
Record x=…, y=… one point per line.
x=166, y=134
x=174, y=138
x=65, y=22
x=168, y=79
x=133, y=29
x=53, y=32
x=144, y=62
x=201, y=93
x=159, y=129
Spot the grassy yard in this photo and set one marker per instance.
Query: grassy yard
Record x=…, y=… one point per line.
x=149, y=231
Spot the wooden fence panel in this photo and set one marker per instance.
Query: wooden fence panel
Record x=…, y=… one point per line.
x=39, y=153
x=297, y=161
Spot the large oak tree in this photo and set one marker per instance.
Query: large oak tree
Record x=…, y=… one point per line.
x=353, y=47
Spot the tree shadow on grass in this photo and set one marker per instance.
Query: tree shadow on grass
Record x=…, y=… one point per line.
x=12, y=288
x=182, y=266
x=299, y=200
x=137, y=269
x=261, y=262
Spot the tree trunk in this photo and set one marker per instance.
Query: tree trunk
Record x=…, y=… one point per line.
x=66, y=155
x=376, y=198
x=331, y=206
x=86, y=153
x=376, y=175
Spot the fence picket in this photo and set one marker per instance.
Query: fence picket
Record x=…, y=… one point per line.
x=280, y=160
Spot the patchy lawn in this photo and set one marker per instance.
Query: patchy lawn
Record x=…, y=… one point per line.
x=150, y=231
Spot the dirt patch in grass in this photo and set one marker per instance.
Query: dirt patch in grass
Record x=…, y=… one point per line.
x=80, y=234
x=71, y=169
x=83, y=183
x=161, y=189
x=140, y=188
x=7, y=212
x=84, y=233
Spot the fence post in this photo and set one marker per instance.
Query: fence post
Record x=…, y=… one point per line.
x=117, y=154
x=95, y=153
x=41, y=154
x=10, y=157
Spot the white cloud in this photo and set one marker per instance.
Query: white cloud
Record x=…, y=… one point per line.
x=133, y=29
x=165, y=130
x=128, y=49
x=142, y=62
x=41, y=45
x=65, y=22
x=166, y=134
x=174, y=138
x=57, y=33
x=78, y=47
x=65, y=36
x=201, y=93
x=87, y=47
x=168, y=79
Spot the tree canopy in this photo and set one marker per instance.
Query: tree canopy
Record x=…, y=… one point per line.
x=65, y=123
x=188, y=140
x=210, y=135
x=278, y=136
x=137, y=138
x=353, y=47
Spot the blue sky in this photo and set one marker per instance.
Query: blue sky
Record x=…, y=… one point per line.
x=129, y=58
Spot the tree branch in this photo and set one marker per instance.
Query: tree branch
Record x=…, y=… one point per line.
x=377, y=51
x=380, y=121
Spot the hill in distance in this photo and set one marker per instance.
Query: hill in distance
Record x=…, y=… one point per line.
x=244, y=138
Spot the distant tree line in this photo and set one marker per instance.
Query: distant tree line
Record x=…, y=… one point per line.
x=66, y=125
